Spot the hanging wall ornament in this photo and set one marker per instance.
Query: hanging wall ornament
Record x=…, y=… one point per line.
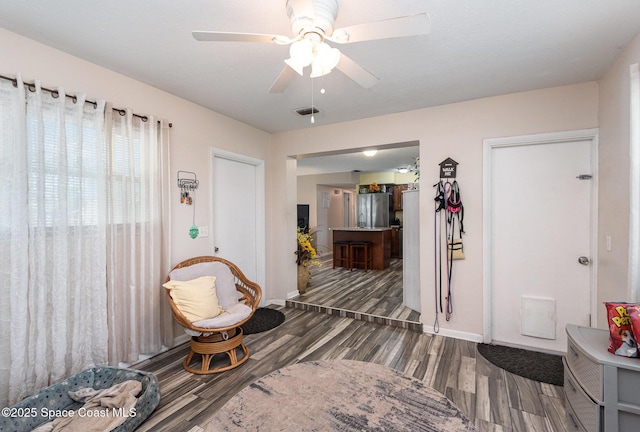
x=188, y=183
x=193, y=231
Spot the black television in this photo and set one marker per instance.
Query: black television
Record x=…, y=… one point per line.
x=303, y=217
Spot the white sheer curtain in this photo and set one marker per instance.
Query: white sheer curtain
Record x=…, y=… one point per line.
x=634, y=186
x=83, y=223
x=136, y=246
x=52, y=249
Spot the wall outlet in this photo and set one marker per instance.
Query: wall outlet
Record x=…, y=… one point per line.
x=607, y=241
x=204, y=231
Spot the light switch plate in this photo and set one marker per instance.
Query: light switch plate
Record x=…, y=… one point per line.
x=204, y=231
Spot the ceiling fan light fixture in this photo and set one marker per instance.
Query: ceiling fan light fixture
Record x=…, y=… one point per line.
x=312, y=23
x=326, y=58
x=301, y=55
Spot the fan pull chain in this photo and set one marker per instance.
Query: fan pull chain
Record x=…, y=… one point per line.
x=313, y=119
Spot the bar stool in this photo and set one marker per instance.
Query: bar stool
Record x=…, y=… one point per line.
x=360, y=253
x=341, y=253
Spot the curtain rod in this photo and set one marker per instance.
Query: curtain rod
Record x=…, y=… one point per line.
x=55, y=94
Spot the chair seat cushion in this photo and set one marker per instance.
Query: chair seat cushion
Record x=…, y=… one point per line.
x=229, y=317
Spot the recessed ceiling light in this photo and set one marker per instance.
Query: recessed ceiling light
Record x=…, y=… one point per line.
x=370, y=152
x=403, y=170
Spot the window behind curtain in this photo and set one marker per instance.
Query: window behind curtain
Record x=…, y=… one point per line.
x=84, y=155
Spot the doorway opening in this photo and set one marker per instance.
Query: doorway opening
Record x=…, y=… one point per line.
x=330, y=183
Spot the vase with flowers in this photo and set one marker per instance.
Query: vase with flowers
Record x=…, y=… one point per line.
x=306, y=258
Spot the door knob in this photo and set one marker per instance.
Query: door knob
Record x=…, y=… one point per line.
x=584, y=260
x=215, y=249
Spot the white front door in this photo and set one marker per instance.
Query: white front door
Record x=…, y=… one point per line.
x=238, y=212
x=541, y=223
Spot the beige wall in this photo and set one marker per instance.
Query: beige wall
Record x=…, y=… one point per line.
x=456, y=131
x=307, y=189
x=613, y=118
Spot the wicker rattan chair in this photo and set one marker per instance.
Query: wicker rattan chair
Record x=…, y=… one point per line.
x=207, y=339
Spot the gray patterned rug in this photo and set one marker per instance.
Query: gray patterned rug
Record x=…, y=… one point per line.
x=339, y=395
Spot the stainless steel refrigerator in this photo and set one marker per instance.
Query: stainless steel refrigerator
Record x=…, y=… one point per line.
x=373, y=210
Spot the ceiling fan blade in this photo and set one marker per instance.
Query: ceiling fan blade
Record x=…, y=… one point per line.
x=386, y=29
x=209, y=36
x=283, y=80
x=356, y=72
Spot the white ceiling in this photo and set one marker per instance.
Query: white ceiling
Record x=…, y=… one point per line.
x=388, y=158
x=475, y=49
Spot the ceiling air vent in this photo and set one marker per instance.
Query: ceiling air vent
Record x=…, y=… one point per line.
x=306, y=111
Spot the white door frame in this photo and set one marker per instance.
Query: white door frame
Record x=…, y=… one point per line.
x=260, y=209
x=545, y=138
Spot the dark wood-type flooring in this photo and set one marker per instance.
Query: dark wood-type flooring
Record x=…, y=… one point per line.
x=377, y=293
x=493, y=399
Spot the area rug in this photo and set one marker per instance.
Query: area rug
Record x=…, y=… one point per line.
x=546, y=368
x=339, y=395
x=263, y=319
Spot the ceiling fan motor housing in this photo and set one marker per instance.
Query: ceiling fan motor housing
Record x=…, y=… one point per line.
x=321, y=17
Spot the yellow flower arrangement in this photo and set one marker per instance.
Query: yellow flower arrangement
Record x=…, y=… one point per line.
x=306, y=253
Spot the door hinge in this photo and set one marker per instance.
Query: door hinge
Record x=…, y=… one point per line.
x=585, y=177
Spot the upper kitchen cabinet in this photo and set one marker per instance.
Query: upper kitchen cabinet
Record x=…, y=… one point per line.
x=397, y=196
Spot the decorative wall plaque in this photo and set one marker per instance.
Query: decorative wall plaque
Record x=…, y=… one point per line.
x=448, y=168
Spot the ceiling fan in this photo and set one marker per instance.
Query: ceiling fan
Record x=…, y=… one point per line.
x=312, y=25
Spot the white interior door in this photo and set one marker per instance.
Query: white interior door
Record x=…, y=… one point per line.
x=238, y=212
x=542, y=220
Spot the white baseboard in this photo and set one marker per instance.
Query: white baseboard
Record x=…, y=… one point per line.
x=142, y=357
x=277, y=302
x=181, y=339
x=472, y=337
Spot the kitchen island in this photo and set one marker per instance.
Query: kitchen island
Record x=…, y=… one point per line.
x=380, y=239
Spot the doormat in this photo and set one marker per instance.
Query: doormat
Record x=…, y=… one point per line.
x=542, y=367
x=263, y=319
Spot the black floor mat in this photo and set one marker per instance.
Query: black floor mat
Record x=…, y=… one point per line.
x=546, y=368
x=262, y=320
